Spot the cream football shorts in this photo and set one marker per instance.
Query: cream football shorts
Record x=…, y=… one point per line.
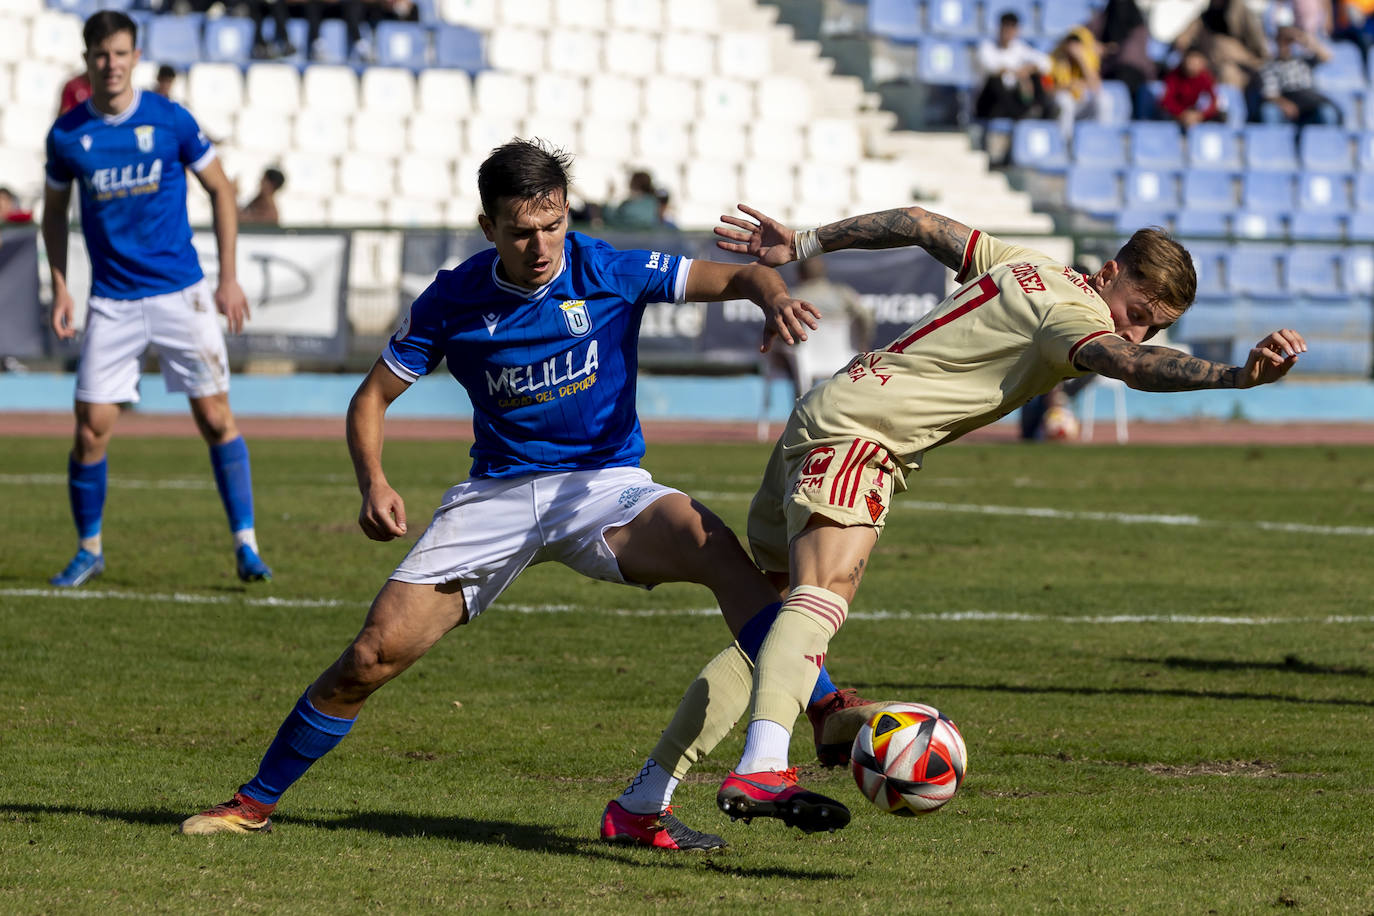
x=184, y=327
x=849, y=481
x=486, y=531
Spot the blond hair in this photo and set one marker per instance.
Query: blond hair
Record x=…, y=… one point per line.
x=1157, y=265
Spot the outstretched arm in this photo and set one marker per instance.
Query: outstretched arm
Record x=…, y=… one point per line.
x=783, y=316
x=769, y=241
x=1165, y=369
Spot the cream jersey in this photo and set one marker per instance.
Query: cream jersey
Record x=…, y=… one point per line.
x=1010, y=332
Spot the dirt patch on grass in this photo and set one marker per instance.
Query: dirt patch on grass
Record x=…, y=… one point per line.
x=1255, y=769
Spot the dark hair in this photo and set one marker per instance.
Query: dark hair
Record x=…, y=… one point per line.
x=1009, y=18
x=526, y=170
x=166, y=72
x=105, y=23
x=274, y=177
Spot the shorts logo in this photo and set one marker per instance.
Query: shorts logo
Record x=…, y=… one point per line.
x=874, y=500
x=86, y=142
x=818, y=461
x=631, y=495
x=144, y=135
x=575, y=314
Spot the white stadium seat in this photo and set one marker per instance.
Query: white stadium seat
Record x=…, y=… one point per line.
x=824, y=183
x=216, y=124
x=321, y=132
x=718, y=139
x=877, y=180
x=561, y=132
x=745, y=55
x=483, y=133
x=711, y=180
x=670, y=98
x=263, y=131
x=834, y=140
x=245, y=167
x=214, y=87
x=389, y=89
x=405, y=211
x=329, y=88
x=500, y=94
x=689, y=54
x=424, y=176
x=198, y=209
x=367, y=176
x=379, y=132
x=26, y=9
x=630, y=53
x=530, y=13
x=444, y=92
x=612, y=96
x=461, y=212
x=431, y=136
x=14, y=39
x=555, y=94
x=38, y=84
x=465, y=174
x=644, y=15
x=347, y=210
x=477, y=14
x=5, y=79
x=23, y=171
x=576, y=52
x=56, y=37
x=512, y=49
x=662, y=144
x=784, y=98
x=580, y=14
x=300, y=209
x=604, y=138
x=596, y=179
x=697, y=16
x=767, y=181
x=273, y=87
x=776, y=141
x=727, y=99
x=24, y=127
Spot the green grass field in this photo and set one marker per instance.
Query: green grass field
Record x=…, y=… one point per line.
x=1165, y=678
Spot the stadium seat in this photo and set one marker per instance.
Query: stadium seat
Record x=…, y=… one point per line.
x=1231, y=100
x=786, y=98
x=896, y=20
x=574, y=52
x=776, y=142
x=1156, y=145
x=1332, y=357
x=1257, y=271
x=1323, y=192
x=1092, y=190
x=425, y=176
x=834, y=140
x=666, y=144
x=1364, y=191
x=430, y=136
x=1028, y=11
x=561, y=132
x=173, y=40
x=606, y=139
x=726, y=99
x=1267, y=192
x=612, y=96
x=14, y=41
x=214, y=87
x=56, y=38
x=1098, y=145
x=458, y=48
x=1213, y=146
x=525, y=14
x=482, y=133
x=554, y=94
x=1351, y=104
x=579, y=14
x=641, y=15
x=348, y=210
x=1202, y=223
x=329, y=88
x=1039, y=145
x=1149, y=188
x=513, y=49
x=1306, y=224
x=747, y=55
x=945, y=62
x=697, y=16
x=25, y=128
x=1258, y=224
x=825, y=184
x=1357, y=269
x=310, y=175
x=273, y=87
x=1344, y=70
x=378, y=132
x=670, y=98
x=1207, y=190
x=500, y=94
x=711, y=181
x=401, y=44
x=389, y=89
x=474, y=14
x=687, y=54
x=1061, y=15
x=1271, y=147
x=228, y=39
x=1129, y=219
x=1315, y=271
x=412, y=212
x=324, y=133
x=367, y=176
x=709, y=137
x=1211, y=260
x=263, y=131
x=37, y=84
x=631, y=54
x=1114, y=103
x=443, y=92
x=953, y=19
x=1360, y=225
x=1324, y=148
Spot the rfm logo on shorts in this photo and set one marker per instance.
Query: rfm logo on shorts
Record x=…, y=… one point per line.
x=814, y=468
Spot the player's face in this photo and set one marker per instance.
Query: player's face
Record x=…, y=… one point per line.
x=528, y=238
x=110, y=66
x=1132, y=312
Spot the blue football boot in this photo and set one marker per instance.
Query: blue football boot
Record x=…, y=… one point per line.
x=250, y=565
x=83, y=567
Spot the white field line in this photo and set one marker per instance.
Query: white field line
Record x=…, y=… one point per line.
x=122, y=483
x=941, y=616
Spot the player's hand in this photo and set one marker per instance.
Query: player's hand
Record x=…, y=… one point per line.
x=1272, y=357
x=788, y=319
x=63, y=315
x=762, y=238
x=383, y=515
x=232, y=304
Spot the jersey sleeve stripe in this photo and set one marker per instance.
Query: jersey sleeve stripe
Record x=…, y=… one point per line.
x=395, y=365
x=58, y=185
x=1073, y=351
x=684, y=267
x=203, y=161
x=967, y=264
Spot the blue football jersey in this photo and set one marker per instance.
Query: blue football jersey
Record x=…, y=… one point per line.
x=131, y=171
x=551, y=372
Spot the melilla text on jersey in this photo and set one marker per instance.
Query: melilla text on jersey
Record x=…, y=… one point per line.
x=568, y=373
x=125, y=180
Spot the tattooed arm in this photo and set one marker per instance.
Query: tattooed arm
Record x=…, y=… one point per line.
x=772, y=243
x=1165, y=369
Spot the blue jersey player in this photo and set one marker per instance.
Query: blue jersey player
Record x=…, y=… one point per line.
x=127, y=151
x=541, y=331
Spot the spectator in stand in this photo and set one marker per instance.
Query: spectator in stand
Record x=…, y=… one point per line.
x=1190, y=91
x=74, y=91
x=1232, y=37
x=1013, y=75
x=1288, y=91
x=166, y=79
x=280, y=46
x=262, y=209
x=640, y=209
x=10, y=211
x=1124, y=40
x=1353, y=20
x=1075, y=72
x=354, y=13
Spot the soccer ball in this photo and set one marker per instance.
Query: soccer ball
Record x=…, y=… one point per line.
x=908, y=759
x=1060, y=425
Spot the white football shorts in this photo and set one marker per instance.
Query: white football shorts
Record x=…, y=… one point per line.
x=185, y=328
x=486, y=531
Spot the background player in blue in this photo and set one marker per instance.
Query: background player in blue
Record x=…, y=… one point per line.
x=541, y=331
x=128, y=151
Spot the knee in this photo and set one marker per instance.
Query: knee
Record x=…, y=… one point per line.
x=215, y=421
x=365, y=666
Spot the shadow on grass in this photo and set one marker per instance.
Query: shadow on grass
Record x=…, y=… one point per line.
x=1290, y=664
x=880, y=686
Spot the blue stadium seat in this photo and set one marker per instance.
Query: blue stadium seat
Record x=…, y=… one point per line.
x=1093, y=191
x=1039, y=145
x=1208, y=190
x=1344, y=70
x=1364, y=191
x=898, y=20
x=1129, y=219
x=1336, y=357
x=945, y=62
x=1114, y=104
x=1357, y=270
x=1098, y=145
x=1350, y=103
x=1267, y=192
x=1257, y=271
x=1027, y=10
x=1360, y=225
x=1364, y=151
x=953, y=19
x=458, y=48
x=1211, y=260
x=1058, y=16
x=1152, y=188
x=1324, y=192
x=229, y=39
x=1156, y=145
x=1213, y=146
x=401, y=44
x=173, y=40
x=1309, y=224
x=1324, y=148
x=1315, y=271
x=1259, y=224
x=1232, y=101
x=1272, y=147
x=427, y=11
x=1202, y=223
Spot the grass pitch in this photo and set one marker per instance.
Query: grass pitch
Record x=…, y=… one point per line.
x=1160, y=659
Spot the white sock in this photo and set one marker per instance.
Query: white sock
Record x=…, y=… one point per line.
x=246, y=536
x=765, y=747
x=90, y=544
x=650, y=791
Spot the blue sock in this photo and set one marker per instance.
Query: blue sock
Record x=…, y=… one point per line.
x=305, y=736
x=751, y=637
x=86, y=489
x=234, y=478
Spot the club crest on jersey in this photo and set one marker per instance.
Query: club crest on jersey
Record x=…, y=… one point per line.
x=144, y=134
x=575, y=314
